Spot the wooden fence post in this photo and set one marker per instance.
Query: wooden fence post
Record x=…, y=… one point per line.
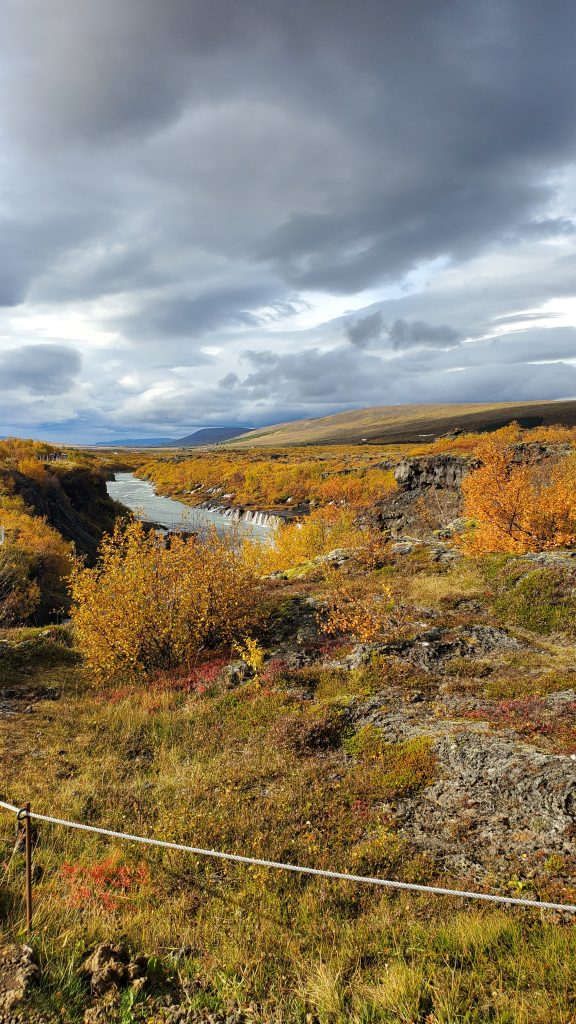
x=28, y=842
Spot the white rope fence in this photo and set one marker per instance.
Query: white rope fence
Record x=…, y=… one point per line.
x=386, y=883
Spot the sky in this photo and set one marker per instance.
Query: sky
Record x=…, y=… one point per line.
x=216, y=212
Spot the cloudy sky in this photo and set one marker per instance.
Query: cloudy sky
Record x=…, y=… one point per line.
x=245, y=211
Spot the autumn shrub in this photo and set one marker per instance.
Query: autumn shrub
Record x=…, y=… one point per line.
x=156, y=603
x=104, y=884
x=296, y=543
x=33, y=469
x=368, y=614
x=516, y=507
x=37, y=557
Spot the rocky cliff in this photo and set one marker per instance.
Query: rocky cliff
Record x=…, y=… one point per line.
x=444, y=472
x=75, y=502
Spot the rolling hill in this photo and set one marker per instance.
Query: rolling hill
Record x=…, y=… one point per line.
x=204, y=435
x=407, y=423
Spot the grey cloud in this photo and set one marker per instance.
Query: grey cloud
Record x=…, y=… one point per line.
x=40, y=369
x=411, y=334
x=365, y=329
x=187, y=317
x=195, y=172
x=401, y=334
x=347, y=377
x=412, y=166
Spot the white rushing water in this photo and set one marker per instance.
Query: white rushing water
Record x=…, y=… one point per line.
x=141, y=498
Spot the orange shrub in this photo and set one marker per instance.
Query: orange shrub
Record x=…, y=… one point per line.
x=519, y=507
x=296, y=543
x=368, y=616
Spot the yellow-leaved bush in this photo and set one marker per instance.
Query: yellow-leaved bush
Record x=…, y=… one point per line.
x=517, y=507
x=298, y=542
x=364, y=613
x=153, y=602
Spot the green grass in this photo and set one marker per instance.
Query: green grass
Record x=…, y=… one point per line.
x=26, y=651
x=541, y=600
x=214, y=770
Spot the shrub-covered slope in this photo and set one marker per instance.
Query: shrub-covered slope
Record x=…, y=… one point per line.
x=387, y=699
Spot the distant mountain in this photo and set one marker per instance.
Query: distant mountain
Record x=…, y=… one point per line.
x=207, y=435
x=204, y=435
x=136, y=442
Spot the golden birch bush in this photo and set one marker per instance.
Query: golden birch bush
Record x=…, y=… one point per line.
x=364, y=613
x=36, y=558
x=518, y=507
x=19, y=594
x=296, y=543
x=156, y=603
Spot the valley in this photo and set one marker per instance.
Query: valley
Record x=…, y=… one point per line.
x=388, y=688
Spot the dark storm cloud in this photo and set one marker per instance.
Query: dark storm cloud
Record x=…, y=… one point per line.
x=194, y=170
x=40, y=369
x=445, y=121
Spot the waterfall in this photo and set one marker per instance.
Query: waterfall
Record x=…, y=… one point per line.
x=237, y=514
x=248, y=515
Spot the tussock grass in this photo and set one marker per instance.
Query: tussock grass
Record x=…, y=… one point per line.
x=447, y=588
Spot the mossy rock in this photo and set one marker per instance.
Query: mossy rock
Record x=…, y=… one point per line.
x=543, y=600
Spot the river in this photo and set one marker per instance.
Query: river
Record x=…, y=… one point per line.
x=141, y=498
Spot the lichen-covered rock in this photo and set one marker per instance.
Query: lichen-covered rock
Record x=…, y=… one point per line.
x=497, y=805
x=18, y=972
x=496, y=802
x=111, y=967
x=430, y=649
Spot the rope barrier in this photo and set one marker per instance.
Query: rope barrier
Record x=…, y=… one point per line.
x=295, y=868
x=9, y=807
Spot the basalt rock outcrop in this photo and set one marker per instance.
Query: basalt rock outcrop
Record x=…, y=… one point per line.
x=428, y=496
x=497, y=804
x=443, y=472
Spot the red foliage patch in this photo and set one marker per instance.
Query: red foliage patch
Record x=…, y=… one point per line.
x=532, y=716
x=103, y=883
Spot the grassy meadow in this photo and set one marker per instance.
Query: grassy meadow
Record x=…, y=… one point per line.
x=285, y=760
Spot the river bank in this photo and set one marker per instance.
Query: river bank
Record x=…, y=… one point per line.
x=141, y=498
